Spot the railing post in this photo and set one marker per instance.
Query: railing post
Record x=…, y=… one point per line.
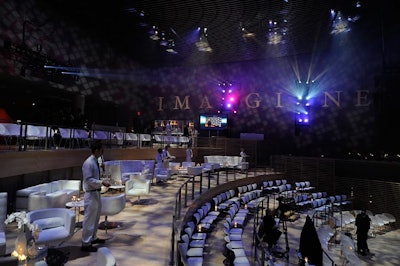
x=201, y=182
x=193, y=183
x=209, y=180
x=186, y=193
x=20, y=138
x=172, y=254
x=24, y=138
x=179, y=203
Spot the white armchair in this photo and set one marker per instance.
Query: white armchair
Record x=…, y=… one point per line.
x=174, y=167
x=195, y=170
x=57, y=224
x=115, y=171
x=105, y=257
x=111, y=205
x=138, y=186
x=162, y=174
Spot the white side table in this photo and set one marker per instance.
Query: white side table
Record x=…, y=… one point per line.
x=117, y=187
x=77, y=205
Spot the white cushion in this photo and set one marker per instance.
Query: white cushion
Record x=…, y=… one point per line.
x=49, y=222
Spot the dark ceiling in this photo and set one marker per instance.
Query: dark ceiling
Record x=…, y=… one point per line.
x=126, y=25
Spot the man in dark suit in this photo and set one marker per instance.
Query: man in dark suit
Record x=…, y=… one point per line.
x=363, y=224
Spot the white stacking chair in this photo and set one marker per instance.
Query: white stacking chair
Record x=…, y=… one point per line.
x=82, y=136
x=231, y=229
x=144, y=138
x=131, y=138
x=307, y=186
x=193, y=243
x=192, y=256
x=66, y=135
x=119, y=137
x=234, y=243
x=9, y=131
x=205, y=225
x=190, y=230
x=101, y=135
x=37, y=134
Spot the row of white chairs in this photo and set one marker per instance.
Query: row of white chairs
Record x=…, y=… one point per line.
x=304, y=186
x=273, y=185
x=165, y=139
x=193, y=238
x=320, y=201
x=40, y=132
x=192, y=244
x=233, y=203
x=233, y=231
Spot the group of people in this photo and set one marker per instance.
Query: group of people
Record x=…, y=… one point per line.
x=92, y=183
x=163, y=157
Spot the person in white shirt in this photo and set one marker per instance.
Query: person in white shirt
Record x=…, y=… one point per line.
x=189, y=153
x=243, y=154
x=92, y=200
x=168, y=129
x=166, y=156
x=159, y=158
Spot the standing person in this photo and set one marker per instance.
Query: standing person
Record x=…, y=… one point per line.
x=243, y=155
x=271, y=231
x=92, y=199
x=186, y=134
x=194, y=137
x=166, y=156
x=186, y=130
x=159, y=158
x=168, y=129
x=165, y=153
x=363, y=223
x=189, y=153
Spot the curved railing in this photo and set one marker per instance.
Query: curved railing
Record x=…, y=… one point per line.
x=188, y=193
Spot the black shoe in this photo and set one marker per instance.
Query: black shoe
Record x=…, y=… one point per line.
x=99, y=241
x=88, y=248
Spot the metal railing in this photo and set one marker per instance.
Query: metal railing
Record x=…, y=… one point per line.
x=187, y=193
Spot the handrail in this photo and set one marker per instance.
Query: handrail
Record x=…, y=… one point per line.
x=176, y=216
x=20, y=138
x=183, y=203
